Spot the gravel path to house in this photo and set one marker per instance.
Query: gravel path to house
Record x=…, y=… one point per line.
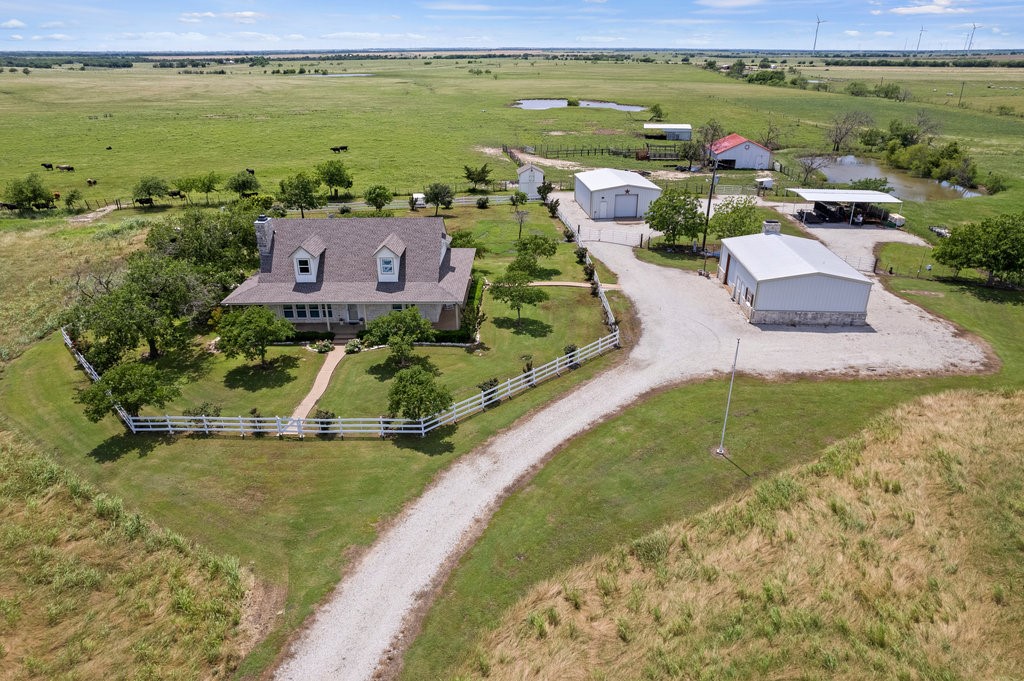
x=320, y=383
x=690, y=329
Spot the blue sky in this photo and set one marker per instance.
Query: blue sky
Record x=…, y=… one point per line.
x=208, y=25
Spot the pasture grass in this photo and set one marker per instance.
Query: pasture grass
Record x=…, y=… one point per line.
x=651, y=466
x=89, y=590
x=890, y=556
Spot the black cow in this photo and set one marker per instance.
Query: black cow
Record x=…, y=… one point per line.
x=91, y=182
x=145, y=201
x=339, y=149
x=248, y=195
x=8, y=206
x=176, y=193
x=109, y=148
x=250, y=171
x=66, y=168
x=48, y=166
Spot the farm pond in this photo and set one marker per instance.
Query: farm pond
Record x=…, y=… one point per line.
x=906, y=187
x=541, y=104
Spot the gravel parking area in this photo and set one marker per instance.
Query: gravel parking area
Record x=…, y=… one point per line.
x=690, y=329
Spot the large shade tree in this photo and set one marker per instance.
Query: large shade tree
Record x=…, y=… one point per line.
x=132, y=385
x=416, y=393
x=399, y=330
x=675, y=215
x=250, y=331
x=300, y=191
x=334, y=174
x=995, y=245
x=513, y=288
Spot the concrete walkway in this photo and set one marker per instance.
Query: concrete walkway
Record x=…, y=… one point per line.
x=575, y=284
x=323, y=379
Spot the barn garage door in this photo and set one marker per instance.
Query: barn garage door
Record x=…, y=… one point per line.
x=626, y=205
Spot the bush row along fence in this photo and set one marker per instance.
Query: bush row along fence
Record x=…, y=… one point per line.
x=609, y=315
x=340, y=427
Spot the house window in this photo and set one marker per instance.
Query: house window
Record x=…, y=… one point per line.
x=300, y=311
x=289, y=312
x=314, y=311
x=303, y=265
x=397, y=307
x=387, y=266
x=330, y=312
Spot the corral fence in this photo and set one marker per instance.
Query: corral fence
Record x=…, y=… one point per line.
x=281, y=426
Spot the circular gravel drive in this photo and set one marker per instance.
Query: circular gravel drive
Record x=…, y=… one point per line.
x=690, y=329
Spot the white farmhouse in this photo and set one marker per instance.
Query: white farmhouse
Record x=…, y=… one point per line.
x=615, y=194
x=530, y=177
x=736, y=151
x=781, y=279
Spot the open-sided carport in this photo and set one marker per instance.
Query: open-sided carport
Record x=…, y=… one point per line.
x=853, y=197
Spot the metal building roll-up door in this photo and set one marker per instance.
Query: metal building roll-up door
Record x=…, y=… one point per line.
x=626, y=205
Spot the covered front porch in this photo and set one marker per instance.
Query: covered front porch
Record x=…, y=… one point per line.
x=346, y=320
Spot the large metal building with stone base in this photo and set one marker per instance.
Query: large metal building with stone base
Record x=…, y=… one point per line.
x=781, y=279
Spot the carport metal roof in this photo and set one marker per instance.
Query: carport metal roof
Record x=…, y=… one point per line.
x=610, y=178
x=846, y=195
x=780, y=256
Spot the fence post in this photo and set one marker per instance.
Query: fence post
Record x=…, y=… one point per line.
x=278, y=420
x=241, y=428
x=206, y=425
x=168, y=419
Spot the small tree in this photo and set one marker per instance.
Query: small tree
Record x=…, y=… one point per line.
x=553, y=207
x=378, y=196
x=399, y=330
x=707, y=134
x=810, y=164
x=438, y=195
x=250, y=331
x=478, y=176
x=71, y=198
x=415, y=394
x=150, y=186
x=242, y=183
x=844, y=125
x=520, y=217
x=513, y=288
x=299, y=191
x=465, y=238
x=518, y=198
x=27, y=191
x=735, y=216
x=544, y=190
x=656, y=113
x=537, y=245
x=334, y=174
x=132, y=385
x=204, y=183
x=675, y=215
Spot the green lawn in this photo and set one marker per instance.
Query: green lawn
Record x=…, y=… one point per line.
x=237, y=385
x=360, y=383
x=652, y=465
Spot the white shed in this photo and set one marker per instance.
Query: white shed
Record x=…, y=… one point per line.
x=736, y=151
x=530, y=177
x=781, y=279
x=615, y=194
x=673, y=131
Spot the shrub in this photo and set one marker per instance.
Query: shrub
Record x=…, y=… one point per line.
x=309, y=336
x=996, y=183
x=324, y=415
x=354, y=346
x=570, y=348
x=204, y=409
x=344, y=210
x=255, y=413
x=595, y=288
x=570, y=236
x=483, y=202
x=277, y=211
x=572, y=101
x=581, y=255
x=323, y=346
x=588, y=272
x=553, y=207
x=485, y=387
x=652, y=550
x=453, y=336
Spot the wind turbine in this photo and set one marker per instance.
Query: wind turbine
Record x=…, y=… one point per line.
x=970, y=42
x=816, y=27
x=922, y=32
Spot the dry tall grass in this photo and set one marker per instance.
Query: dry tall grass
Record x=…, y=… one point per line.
x=898, y=555
x=89, y=591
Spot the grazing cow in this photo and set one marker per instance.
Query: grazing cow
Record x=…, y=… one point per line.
x=248, y=195
x=177, y=194
x=48, y=166
x=42, y=205
x=339, y=149
x=56, y=195
x=8, y=206
x=250, y=171
x=91, y=182
x=66, y=168
x=109, y=148
x=145, y=201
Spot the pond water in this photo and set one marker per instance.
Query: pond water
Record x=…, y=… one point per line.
x=906, y=187
x=540, y=104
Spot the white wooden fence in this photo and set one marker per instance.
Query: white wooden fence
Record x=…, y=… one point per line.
x=609, y=315
x=340, y=427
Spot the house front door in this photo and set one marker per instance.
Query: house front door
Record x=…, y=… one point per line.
x=353, y=313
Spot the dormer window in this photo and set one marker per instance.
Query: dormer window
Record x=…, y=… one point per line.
x=387, y=265
x=303, y=266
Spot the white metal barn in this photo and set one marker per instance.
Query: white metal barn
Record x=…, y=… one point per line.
x=530, y=177
x=781, y=279
x=615, y=194
x=736, y=151
x=673, y=131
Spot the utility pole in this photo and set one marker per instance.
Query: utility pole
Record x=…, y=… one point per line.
x=816, y=27
x=721, y=444
x=707, y=217
x=962, y=84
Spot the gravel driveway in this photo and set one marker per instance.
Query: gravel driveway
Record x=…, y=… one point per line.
x=690, y=329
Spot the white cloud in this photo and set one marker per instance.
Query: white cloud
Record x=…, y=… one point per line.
x=53, y=36
x=243, y=17
x=371, y=35
x=876, y=12
x=853, y=34
x=458, y=7
x=238, y=17
x=729, y=4
x=13, y=23
x=195, y=17
x=171, y=36
x=933, y=7
x=598, y=39
x=295, y=36
x=52, y=24
x=884, y=34
x=253, y=35
x=15, y=36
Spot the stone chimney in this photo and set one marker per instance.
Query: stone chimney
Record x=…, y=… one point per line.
x=771, y=227
x=264, y=235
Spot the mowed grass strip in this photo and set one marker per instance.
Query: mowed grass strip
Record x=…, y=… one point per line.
x=88, y=590
x=895, y=555
x=652, y=465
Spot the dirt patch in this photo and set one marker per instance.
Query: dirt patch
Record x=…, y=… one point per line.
x=87, y=218
x=494, y=152
x=670, y=175
x=263, y=603
x=608, y=131
x=558, y=133
x=933, y=294
x=552, y=162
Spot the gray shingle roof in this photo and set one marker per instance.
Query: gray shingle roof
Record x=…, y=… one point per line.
x=348, y=268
